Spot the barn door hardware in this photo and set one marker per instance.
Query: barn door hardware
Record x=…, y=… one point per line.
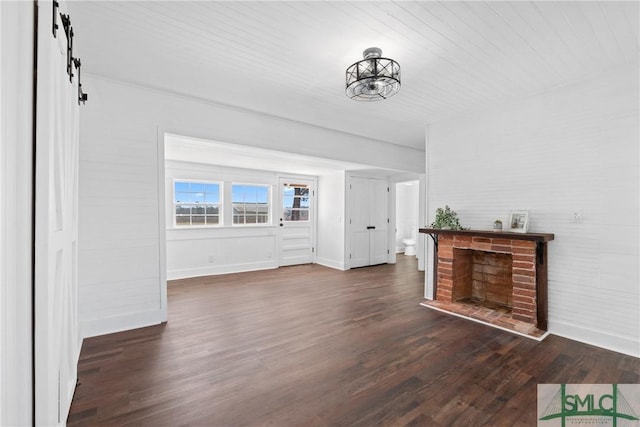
x=54, y=28
x=68, y=30
x=82, y=97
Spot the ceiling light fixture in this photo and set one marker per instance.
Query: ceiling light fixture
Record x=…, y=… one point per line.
x=373, y=78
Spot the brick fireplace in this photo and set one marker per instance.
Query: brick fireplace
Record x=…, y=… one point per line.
x=496, y=277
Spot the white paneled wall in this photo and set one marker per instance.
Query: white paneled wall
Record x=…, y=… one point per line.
x=203, y=251
x=118, y=252
x=573, y=149
x=331, y=225
x=121, y=258
x=16, y=159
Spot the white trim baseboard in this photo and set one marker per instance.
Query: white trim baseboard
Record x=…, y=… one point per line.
x=221, y=269
x=331, y=263
x=95, y=327
x=617, y=343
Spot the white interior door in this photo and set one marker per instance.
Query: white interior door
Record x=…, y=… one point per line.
x=57, y=338
x=296, y=221
x=378, y=219
x=359, y=201
x=368, y=221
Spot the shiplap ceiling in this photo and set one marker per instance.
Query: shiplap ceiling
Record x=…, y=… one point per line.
x=288, y=58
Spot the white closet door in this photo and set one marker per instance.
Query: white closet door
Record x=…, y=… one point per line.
x=57, y=341
x=378, y=218
x=360, y=199
x=368, y=221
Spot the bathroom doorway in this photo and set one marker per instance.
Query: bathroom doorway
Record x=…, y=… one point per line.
x=407, y=212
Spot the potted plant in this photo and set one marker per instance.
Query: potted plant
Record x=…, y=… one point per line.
x=446, y=219
x=497, y=225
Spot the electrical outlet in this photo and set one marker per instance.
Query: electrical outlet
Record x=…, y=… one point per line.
x=576, y=216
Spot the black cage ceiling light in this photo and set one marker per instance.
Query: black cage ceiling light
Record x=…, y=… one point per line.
x=373, y=78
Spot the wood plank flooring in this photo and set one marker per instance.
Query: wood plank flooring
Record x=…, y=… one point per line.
x=312, y=346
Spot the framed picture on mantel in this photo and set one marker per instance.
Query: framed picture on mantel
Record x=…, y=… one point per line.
x=519, y=221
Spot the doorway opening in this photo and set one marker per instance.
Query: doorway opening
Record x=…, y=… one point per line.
x=407, y=213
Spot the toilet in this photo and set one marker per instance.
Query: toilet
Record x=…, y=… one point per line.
x=409, y=246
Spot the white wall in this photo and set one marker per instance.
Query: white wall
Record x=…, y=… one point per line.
x=121, y=230
x=571, y=149
x=16, y=157
x=407, y=197
x=193, y=252
x=331, y=228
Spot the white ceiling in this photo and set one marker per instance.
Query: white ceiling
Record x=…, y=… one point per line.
x=289, y=58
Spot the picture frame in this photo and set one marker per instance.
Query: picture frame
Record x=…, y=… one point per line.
x=519, y=221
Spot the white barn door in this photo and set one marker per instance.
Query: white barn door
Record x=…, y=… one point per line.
x=57, y=337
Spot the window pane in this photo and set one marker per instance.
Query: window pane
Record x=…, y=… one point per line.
x=212, y=193
x=304, y=202
x=263, y=219
x=212, y=198
x=183, y=210
x=262, y=195
x=183, y=220
x=212, y=210
x=197, y=210
x=197, y=187
x=237, y=193
x=295, y=215
x=197, y=219
x=302, y=191
x=181, y=187
x=287, y=202
x=237, y=219
x=183, y=197
x=213, y=219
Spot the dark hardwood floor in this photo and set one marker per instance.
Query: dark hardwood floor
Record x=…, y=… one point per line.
x=309, y=345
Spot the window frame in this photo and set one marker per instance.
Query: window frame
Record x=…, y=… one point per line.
x=269, y=188
x=220, y=204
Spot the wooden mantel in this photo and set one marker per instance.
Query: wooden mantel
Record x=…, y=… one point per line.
x=536, y=237
x=530, y=271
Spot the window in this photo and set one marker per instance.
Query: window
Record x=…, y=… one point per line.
x=196, y=203
x=250, y=204
x=295, y=202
